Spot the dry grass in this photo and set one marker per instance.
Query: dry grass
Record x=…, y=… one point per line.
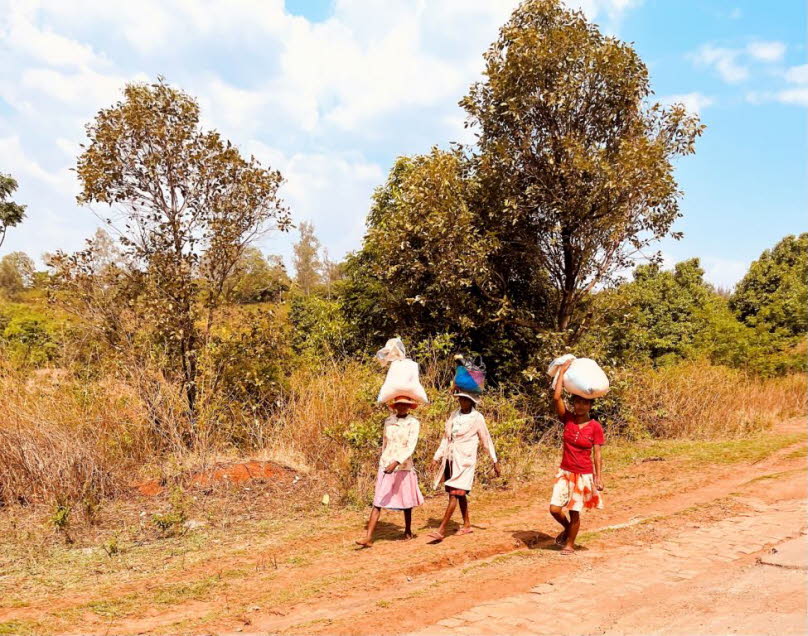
x=702, y=401
x=66, y=442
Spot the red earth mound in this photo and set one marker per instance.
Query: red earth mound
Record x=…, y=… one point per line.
x=237, y=473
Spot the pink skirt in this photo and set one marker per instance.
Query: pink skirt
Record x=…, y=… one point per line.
x=397, y=490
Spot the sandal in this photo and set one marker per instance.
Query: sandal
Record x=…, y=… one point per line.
x=436, y=537
x=463, y=531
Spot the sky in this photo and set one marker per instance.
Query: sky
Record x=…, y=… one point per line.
x=330, y=92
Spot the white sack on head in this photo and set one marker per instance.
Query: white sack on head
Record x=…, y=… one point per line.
x=402, y=380
x=392, y=350
x=584, y=377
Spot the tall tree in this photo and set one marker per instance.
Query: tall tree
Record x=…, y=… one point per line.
x=10, y=213
x=306, y=259
x=576, y=167
x=186, y=205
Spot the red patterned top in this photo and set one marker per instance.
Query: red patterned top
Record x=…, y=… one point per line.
x=578, y=443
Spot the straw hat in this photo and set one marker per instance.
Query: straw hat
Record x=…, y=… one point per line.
x=403, y=399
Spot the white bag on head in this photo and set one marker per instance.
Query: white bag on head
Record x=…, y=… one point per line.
x=584, y=377
x=402, y=379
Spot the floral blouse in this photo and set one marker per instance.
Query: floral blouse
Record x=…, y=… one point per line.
x=400, y=439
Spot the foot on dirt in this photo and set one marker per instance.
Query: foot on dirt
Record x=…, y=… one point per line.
x=561, y=539
x=408, y=536
x=436, y=537
x=364, y=543
x=566, y=551
x=463, y=531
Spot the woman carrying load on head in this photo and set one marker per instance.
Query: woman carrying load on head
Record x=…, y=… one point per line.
x=457, y=457
x=579, y=479
x=396, y=482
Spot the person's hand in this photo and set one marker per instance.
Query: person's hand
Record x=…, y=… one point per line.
x=496, y=469
x=433, y=466
x=391, y=467
x=566, y=366
x=599, y=483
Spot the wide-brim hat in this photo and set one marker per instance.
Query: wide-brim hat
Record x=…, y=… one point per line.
x=470, y=396
x=403, y=399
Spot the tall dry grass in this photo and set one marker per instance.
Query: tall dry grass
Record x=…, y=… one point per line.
x=65, y=440
x=700, y=401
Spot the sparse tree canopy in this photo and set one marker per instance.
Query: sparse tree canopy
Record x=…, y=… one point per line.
x=186, y=206
x=774, y=293
x=306, y=259
x=10, y=213
x=16, y=272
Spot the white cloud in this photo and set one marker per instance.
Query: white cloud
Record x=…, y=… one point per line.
x=797, y=74
x=723, y=60
x=329, y=103
x=723, y=272
x=766, y=51
x=693, y=102
x=794, y=96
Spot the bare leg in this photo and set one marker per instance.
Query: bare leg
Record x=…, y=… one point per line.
x=572, y=531
x=408, y=523
x=447, y=516
x=464, y=510
x=374, y=519
x=558, y=515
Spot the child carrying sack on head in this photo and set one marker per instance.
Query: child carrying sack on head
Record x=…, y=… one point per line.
x=397, y=481
x=579, y=481
x=457, y=455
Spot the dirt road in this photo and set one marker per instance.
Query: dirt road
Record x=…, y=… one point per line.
x=675, y=551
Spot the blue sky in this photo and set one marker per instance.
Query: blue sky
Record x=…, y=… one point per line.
x=332, y=91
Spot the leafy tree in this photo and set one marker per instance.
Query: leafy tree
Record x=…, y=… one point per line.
x=576, y=168
x=306, y=259
x=186, y=205
x=17, y=272
x=774, y=293
x=429, y=266
x=658, y=316
x=11, y=213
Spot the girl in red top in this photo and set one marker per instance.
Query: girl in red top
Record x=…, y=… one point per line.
x=578, y=482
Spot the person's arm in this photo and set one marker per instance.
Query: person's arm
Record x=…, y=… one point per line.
x=444, y=444
x=488, y=443
x=558, y=400
x=598, y=468
x=598, y=441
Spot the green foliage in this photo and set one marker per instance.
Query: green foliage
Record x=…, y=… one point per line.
x=320, y=327
x=576, y=166
x=171, y=522
x=774, y=293
x=572, y=175
x=245, y=361
x=663, y=317
x=257, y=279
x=30, y=337
x=11, y=213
